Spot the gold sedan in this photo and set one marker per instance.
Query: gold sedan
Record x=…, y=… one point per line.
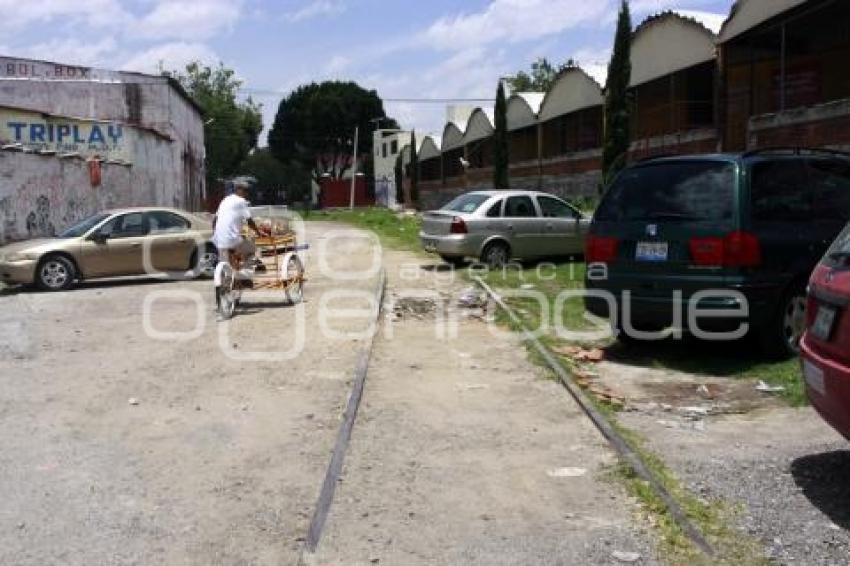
x=131, y=241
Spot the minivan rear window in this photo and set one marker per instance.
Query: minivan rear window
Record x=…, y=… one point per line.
x=685, y=191
x=466, y=203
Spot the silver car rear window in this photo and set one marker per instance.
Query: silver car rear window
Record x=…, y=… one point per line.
x=467, y=203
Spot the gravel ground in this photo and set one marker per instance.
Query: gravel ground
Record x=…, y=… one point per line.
x=788, y=473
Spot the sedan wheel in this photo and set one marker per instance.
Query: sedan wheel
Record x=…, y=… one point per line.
x=495, y=255
x=55, y=273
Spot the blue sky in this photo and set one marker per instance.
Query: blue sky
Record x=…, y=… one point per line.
x=424, y=49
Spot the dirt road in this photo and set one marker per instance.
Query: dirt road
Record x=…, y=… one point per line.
x=121, y=446
x=465, y=453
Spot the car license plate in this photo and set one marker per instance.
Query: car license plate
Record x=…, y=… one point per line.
x=814, y=377
x=824, y=321
x=651, y=251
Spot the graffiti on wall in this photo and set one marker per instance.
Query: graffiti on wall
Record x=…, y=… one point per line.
x=107, y=140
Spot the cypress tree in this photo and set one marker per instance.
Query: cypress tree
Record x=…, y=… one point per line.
x=501, y=181
x=414, y=170
x=617, y=103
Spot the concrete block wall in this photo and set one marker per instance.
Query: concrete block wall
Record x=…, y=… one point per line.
x=826, y=125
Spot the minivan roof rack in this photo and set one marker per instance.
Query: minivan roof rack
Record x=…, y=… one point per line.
x=795, y=151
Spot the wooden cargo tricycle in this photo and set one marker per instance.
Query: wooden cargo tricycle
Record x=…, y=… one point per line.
x=275, y=266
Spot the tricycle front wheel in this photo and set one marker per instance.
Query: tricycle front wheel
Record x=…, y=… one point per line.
x=226, y=297
x=292, y=277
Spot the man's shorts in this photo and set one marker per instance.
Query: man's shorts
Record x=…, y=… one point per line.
x=244, y=248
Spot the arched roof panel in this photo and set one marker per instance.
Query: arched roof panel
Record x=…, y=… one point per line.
x=452, y=136
x=480, y=125
x=666, y=43
x=523, y=108
x=747, y=14
x=430, y=148
x=573, y=90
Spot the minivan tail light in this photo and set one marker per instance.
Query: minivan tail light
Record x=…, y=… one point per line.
x=742, y=250
x=600, y=249
x=738, y=249
x=458, y=226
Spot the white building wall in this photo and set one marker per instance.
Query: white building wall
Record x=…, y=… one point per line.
x=386, y=147
x=43, y=194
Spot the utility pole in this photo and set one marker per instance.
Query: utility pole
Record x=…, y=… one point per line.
x=354, y=166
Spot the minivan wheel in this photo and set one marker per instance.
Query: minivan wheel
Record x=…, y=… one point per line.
x=55, y=273
x=781, y=339
x=495, y=255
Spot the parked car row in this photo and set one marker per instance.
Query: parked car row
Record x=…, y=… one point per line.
x=112, y=243
x=752, y=236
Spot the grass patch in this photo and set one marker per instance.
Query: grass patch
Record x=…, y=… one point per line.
x=732, y=360
x=398, y=231
x=712, y=519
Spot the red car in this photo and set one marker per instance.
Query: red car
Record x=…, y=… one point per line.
x=825, y=348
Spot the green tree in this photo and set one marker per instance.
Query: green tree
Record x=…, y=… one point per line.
x=314, y=126
x=617, y=103
x=501, y=177
x=273, y=176
x=231, y=127
x=541, y=77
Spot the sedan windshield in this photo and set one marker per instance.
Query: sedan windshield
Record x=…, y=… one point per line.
x=467, y=203
x=84, y=226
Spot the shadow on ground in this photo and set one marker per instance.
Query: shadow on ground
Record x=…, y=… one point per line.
x=94, y=284
x=721, y=359
x=823, y=479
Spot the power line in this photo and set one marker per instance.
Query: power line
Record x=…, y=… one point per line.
x=245, y=90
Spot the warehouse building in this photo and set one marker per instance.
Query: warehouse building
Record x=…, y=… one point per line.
x=773, y=76
x=785, y=80
x=76, y=140
x=571, y=135
x=523, y=139
x=673, y=87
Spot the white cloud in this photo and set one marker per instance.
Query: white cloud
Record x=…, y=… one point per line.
x=594, y=62
x=188, y=20
x=171, y=56
x=512, y=21
x=95, y=13
x=337, y=64
x=71, y=51
x=710, y=20
x=316, y=8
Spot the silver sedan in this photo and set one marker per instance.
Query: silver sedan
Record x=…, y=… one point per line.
x=497, y=226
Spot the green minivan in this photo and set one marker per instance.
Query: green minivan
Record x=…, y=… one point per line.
x=716, y=245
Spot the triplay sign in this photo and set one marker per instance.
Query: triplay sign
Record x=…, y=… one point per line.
x=107, y=140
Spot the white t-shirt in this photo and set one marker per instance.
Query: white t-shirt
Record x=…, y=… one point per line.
x=232, y=213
